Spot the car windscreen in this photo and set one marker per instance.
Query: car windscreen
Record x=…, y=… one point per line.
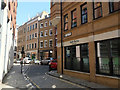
x=29, y=59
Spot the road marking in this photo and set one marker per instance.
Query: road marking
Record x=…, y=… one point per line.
x=66, y=81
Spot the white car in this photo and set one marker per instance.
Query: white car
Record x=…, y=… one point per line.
x=37, y=61
x=27, y=60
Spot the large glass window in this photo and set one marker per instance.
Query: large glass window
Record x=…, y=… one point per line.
x=108, y=58
x=114, y=6
x=84, y=13
x=66, y=22
x=73, y=18
x=77, y=58
x=97, y=10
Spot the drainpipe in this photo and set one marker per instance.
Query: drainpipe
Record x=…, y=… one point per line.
x=61, y=39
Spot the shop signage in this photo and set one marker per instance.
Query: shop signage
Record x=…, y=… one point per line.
x=68, y=34
x=74, y=41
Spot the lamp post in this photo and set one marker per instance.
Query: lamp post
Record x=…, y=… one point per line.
x=61, y=38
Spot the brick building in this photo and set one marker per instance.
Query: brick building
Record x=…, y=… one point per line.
x=90, y=40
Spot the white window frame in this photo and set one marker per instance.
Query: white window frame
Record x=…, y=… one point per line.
x=49, y=42
x=40, y=44
x=40, y=34
x=49, y=32
x=45, y=24
x=49, y=23
x=45, y=44
x=41, y=26
x=46, y=32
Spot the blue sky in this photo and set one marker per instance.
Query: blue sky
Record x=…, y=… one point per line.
x=30, y=9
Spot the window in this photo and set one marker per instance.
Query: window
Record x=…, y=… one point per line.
x=24, y=30
x=73, y=18
x=50, y=32
x=45, y=24
x=35, y=34
x=50, y=24
x=33, y=26
x=53, y=3
x=50, y=43
x=84, y=13
x=41, y=44
x=35, y=45
x=41, y=34
x=46, y=33
x=97, y=10
x=32, y=45
x=41, y=25
x=45, y=43
x=27, y=37
x=29, y=46
x=32, y=36
x=56, y=42
x=66, y=22
x=114, y=6
x=107, y=57
x=77, y=58
x=28, y=29
x=36, y=25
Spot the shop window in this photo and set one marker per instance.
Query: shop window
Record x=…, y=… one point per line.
x=114, y=6
x=50, y=43
x=66, y=22
x=84, y=13
x=74, y=18
x=50, y=32
x=107, y=57
x=77, y=58
x=97, y=10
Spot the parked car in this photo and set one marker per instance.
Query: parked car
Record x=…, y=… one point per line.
x=46, y=61
x=27, y=60
x=37, y=61
x=17, y=61
x=53, y=64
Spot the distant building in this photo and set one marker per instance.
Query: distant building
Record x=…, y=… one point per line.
x=8, y=10
x=90, y=40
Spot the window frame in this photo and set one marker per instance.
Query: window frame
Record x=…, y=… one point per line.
x=40, y=34
x=75, y=10
x=65, y=16
x=42, y=44
x=49, y=32
x=52, y=43
x=113, y=7
x=84, y=13
x=45, y=45
x=96, y=9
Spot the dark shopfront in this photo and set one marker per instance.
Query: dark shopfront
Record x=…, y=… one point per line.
x=107, y=58
x=45, y=54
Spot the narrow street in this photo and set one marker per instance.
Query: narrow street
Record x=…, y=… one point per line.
x=38, y=74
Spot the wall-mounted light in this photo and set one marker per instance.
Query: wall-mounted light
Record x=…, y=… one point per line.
x=3, y=5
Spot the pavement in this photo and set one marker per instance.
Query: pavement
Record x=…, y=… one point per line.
x=84, y=83
x=14, y=79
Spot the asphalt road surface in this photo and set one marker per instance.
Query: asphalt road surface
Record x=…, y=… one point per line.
x=37, y=73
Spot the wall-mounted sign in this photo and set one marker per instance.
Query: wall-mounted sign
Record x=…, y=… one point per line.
x=68, y=34
x=74, y=41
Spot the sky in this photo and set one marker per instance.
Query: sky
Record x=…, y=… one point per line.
x=30, y=9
